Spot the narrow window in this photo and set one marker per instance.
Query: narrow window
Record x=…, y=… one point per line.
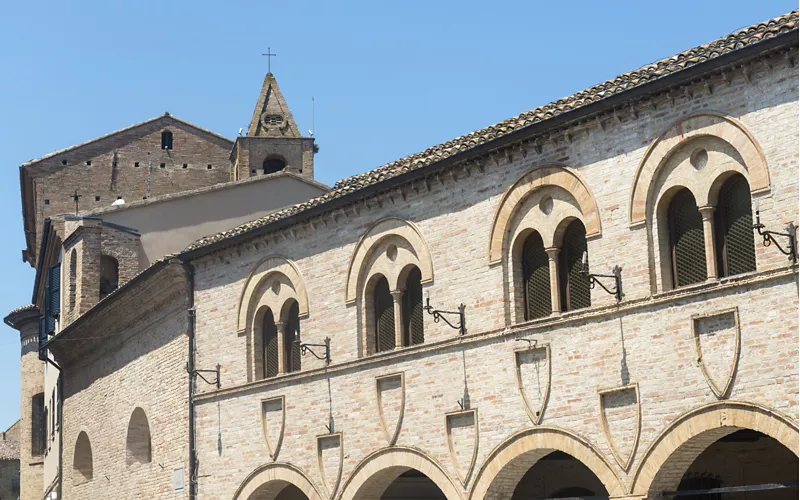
x=82, y=469
x=687, y=245
x=413, y=332
x=163, y=165
x=292, y=332
x=272, y=165
x=383, y=306
x=73, y=273
x=269, y=342
x=109, y=275
x=574, y=284
x=736, y=252
x=138, y=449
x=535, y=278
x=46, y=202
x=166, y=139
x=38, y=424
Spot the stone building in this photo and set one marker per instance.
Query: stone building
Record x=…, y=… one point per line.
x=9, y=463
x=613, y=326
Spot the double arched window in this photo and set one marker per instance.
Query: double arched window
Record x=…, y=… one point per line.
x=279, y=352
x=536, y=278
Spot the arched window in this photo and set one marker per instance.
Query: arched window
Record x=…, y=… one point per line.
x=687, y=245
x=272, y=165
x=109, y=275
x=383, y=306
x=413, y=332
x=736, y=252
x=536, y=278
x=574, y=284
x=269, y=343
x=73, y=271
x=82, y=461
x=291, y=332
x=166, y=139
x=138, y=449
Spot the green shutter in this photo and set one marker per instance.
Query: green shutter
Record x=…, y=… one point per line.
x=384, y=317
x=270, y=344
x=55, y=290
x=413, y=332
x=575, y=284
x=688, y=245
x=536, y=278
x=734, y=221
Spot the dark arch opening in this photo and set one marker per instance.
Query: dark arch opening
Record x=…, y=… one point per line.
x=166, y=139
x=383, y=306
x=733, y=223
x=575, y=287
x=687, y=242
x=558, y=475
x=291, y=333
x=272, y=165
x=413, y=331
x=269, y=343
x=536, y=278
x=413, y=485
x=109, y=275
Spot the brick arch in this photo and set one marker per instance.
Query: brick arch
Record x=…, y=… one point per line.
x=547, y=175
x=673, y=451
x=268, y=480
x=508, y=462
x=377, y=471
x=382, y=229
x=265, y=268
x=704, y=123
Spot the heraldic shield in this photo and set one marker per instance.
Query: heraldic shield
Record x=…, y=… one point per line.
x=532, y=365
x=273, y=422
x=717, y=343
x=462, y=440
x=390, y=395
x=330, y=455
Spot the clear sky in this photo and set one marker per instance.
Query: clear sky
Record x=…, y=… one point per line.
x=389, y=78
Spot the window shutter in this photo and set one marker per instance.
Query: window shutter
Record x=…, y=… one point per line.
x=290, y=347
x=688, y=245
x=48, y=300
x=270, y=343
x=734, y=221
x=42, y=338
x=412, y=309
x=575, y=284
x=384, y=317
x=55, y=290
x=536, y=278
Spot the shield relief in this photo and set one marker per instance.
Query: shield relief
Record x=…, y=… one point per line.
x=273, y=422
x=717, y=342
x=533, y=368
x=330, y=454
x=462, y=441
x=390, y=395
x=621, y=418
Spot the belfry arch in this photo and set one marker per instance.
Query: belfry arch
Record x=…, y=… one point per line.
x=268, y=481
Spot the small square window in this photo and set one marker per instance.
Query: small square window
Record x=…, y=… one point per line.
x=209, y=166
x=163, y=165
x=88, y=163
x=46, y=202
x=63, y=162
x=96, y=198
x=253, y=171
x=136, y=164
x=185, y=165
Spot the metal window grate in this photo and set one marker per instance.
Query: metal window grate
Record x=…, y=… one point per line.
x=687, y=241
x=536, y=278
x=270, y=344
x=413, y=331
x=384, y=317
x=574, y=284
x=292, y=331
x=736, y=252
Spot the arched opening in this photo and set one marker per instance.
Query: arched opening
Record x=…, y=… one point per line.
x=535, y=278
x=109, y=275
x=277, y=490
x=269, y=345
x=138, y=449
x=574, y=284
x=383, y=312
x=82, y=470
x=558, y=475
x=166, y=139
x=273, y=165
x=413, y=331
x=687, y=243
x=291, y=332
x=412, y=485
x=733, y=222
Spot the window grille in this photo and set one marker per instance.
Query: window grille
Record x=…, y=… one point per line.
x=413, y=332
x=270, y=345
x=687, y=243
x=736, y=252
x=575, y=292
x=536, y=278
x=292, y=331
x=384, y=316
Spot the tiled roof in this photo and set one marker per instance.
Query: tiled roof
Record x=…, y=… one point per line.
x=627, y=81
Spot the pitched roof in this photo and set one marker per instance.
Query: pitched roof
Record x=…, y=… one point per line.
x=736, y=41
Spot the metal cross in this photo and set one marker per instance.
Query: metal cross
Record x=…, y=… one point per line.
x=269, y=55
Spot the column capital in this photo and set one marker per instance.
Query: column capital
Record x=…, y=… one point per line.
x=397, y=294
x=552, y=252
x=707, y=211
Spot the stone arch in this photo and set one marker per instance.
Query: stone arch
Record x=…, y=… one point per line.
x=379, y=231
x=261, y=272
x=82, y=463
x=510, y=460
x=378, y=470
x=547, y=175
x=138, y=442
x=682, y=441
x=268, y=480
x=704, y=123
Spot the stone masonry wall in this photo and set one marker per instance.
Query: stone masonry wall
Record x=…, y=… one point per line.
x=32, y=379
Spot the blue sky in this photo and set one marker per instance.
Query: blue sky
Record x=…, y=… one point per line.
x=389, y=78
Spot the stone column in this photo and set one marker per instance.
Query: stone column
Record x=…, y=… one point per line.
x=397, y=298
x=711, y=248
x=281, y=347
x=555, y=286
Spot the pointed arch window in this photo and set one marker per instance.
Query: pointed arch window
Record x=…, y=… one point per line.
x=166, y=139
x=383, y=306
x=269, y=344
x=736, y=252
x=290, y=333
x=413, y=332
x=687, y=244
x=574, y=291
x=535, y=278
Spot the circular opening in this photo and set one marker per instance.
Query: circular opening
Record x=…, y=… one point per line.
x=391, y=252
x=699, y=158
x=546, y=205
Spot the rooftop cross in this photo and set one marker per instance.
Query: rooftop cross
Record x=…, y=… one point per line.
x=269, y=55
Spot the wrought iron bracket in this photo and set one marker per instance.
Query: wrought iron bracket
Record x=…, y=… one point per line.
x=439, y=315
x=304, y=348
x=200, y=373
x=769, y=237
x=616, y=274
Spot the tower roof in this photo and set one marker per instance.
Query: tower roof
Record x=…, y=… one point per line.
x=271, y=116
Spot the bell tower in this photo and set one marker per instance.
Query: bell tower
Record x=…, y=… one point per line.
x=273, y=143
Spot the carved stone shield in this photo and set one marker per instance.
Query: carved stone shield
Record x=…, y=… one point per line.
x=273, y=422
x=330, y=454
x=532, y=365
x=620, y=413
x=390, y=394
x=717, y=343
x=462, y=440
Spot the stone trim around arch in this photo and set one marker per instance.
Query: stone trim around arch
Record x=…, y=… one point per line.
x=376, y=472
x=381, y=229
x=261, y=271
x=704, y=123
x=682, y=441
x=281, y=475
x=544, y=440
x=545, y=175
